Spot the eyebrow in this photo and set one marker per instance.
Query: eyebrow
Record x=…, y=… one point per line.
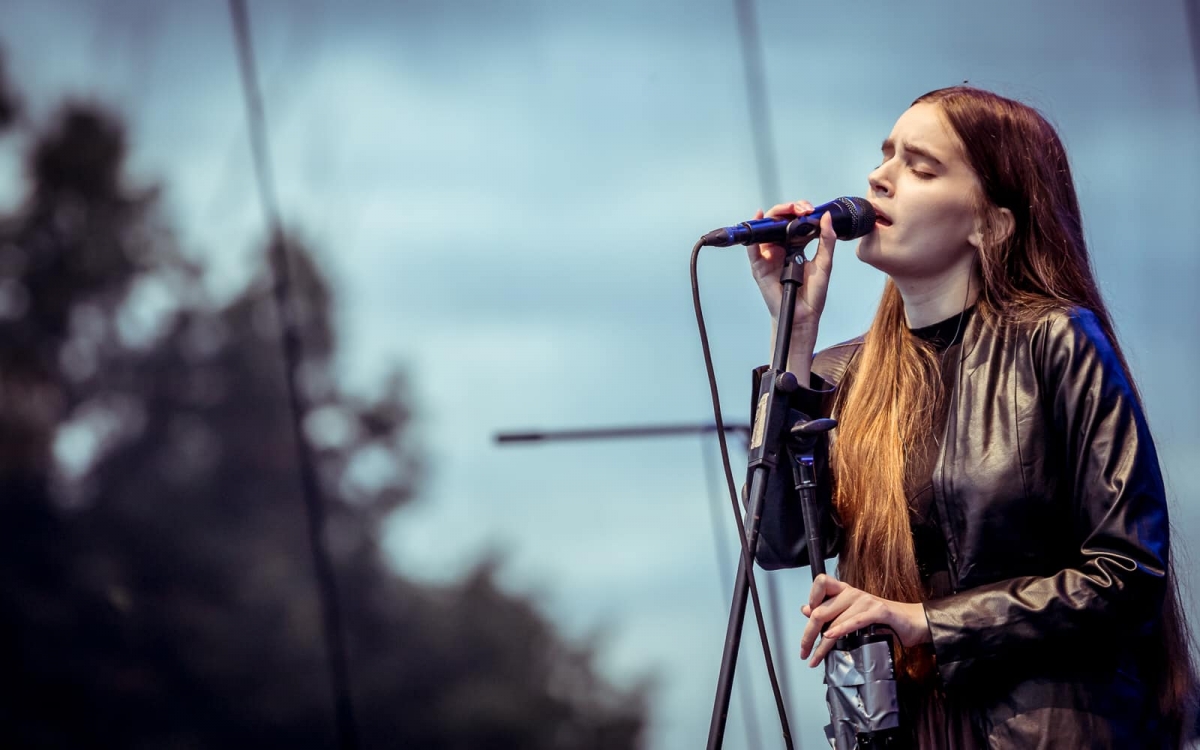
x=912, y=148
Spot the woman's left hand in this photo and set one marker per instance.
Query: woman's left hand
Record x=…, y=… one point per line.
x=847, y=609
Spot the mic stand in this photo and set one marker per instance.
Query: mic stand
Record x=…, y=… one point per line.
x=771, y=415
x=860, y=670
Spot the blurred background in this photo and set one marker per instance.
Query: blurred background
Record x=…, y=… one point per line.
x=489, y=208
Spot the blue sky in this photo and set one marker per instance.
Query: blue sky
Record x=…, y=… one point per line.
x=505, y=195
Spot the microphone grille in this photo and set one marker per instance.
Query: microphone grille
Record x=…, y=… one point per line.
x=861, y=215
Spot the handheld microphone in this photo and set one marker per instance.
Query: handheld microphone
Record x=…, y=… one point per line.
x=852, y=218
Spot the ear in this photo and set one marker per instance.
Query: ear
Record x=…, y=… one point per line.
x=998, y=223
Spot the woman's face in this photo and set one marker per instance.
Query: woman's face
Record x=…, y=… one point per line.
x=925, y=194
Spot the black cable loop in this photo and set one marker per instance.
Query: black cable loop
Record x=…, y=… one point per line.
x=747, y=557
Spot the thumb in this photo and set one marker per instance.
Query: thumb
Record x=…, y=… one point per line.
x=824, y=255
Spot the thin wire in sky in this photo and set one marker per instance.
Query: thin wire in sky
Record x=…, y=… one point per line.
x=766, y=158
x=331, y=620
x=1191, y=10
x=765, y=155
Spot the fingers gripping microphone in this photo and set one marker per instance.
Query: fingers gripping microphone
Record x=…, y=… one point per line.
x=852, y=218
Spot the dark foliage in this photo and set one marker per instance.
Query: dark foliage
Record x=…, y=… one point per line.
x=8, y=100
x=156, y=588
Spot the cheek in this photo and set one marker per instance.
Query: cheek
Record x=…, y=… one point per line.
x=947, y=223
x=954, y=215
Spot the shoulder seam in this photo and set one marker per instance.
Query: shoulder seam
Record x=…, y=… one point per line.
x=852, y=342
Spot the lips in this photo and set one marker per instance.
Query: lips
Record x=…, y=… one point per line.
x=881, y=218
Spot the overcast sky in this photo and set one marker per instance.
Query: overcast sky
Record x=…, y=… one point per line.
x=505, y=195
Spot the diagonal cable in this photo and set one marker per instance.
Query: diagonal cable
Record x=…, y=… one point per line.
x=766, y=158
x=1191, y=10
x=314, y=506
x=765, y=155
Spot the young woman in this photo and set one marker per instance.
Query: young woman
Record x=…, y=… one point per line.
x=994, y=491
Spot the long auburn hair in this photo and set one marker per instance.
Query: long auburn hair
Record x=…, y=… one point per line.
x=1042, y=263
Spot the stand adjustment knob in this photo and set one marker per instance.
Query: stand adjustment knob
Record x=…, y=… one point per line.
x=814, y=426
x=786, y=383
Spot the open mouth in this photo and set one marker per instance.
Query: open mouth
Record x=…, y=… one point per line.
x=882, y=219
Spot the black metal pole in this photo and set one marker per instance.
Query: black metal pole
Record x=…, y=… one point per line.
x=599, y=433
x=603, y=433
x=765, y=446
x=806, y=485
x=745, y=687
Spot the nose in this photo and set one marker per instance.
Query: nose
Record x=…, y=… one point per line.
x=878, y=180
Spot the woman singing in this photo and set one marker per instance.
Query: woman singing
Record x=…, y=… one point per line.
x=994, y=492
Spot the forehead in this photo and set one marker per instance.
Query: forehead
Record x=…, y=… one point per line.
x=923, y=125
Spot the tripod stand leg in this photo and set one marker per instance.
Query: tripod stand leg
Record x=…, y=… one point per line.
x=743, y=589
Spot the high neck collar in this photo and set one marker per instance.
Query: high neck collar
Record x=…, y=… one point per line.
x=945, y=333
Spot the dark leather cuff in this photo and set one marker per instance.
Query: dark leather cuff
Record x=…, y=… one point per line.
x=814, y=400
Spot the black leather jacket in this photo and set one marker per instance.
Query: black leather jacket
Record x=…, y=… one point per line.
x=1054, y=513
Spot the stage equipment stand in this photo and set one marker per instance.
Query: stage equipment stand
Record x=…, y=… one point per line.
x=859, y=672
x=774, y=423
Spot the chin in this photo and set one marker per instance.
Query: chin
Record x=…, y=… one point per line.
x=866, y=246
x=868, y=251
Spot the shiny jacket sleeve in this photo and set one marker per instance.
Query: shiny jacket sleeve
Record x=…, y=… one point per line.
x=1114, y=579
x=782, y=541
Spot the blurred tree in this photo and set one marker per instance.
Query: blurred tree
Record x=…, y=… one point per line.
x=155, y=582
x=8, y=99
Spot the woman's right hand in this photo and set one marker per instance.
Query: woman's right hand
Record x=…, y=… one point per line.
x=766, y=263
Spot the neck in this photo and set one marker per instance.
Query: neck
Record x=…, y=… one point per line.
x=932, y=300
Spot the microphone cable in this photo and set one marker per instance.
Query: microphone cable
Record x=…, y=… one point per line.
x=747, y=553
